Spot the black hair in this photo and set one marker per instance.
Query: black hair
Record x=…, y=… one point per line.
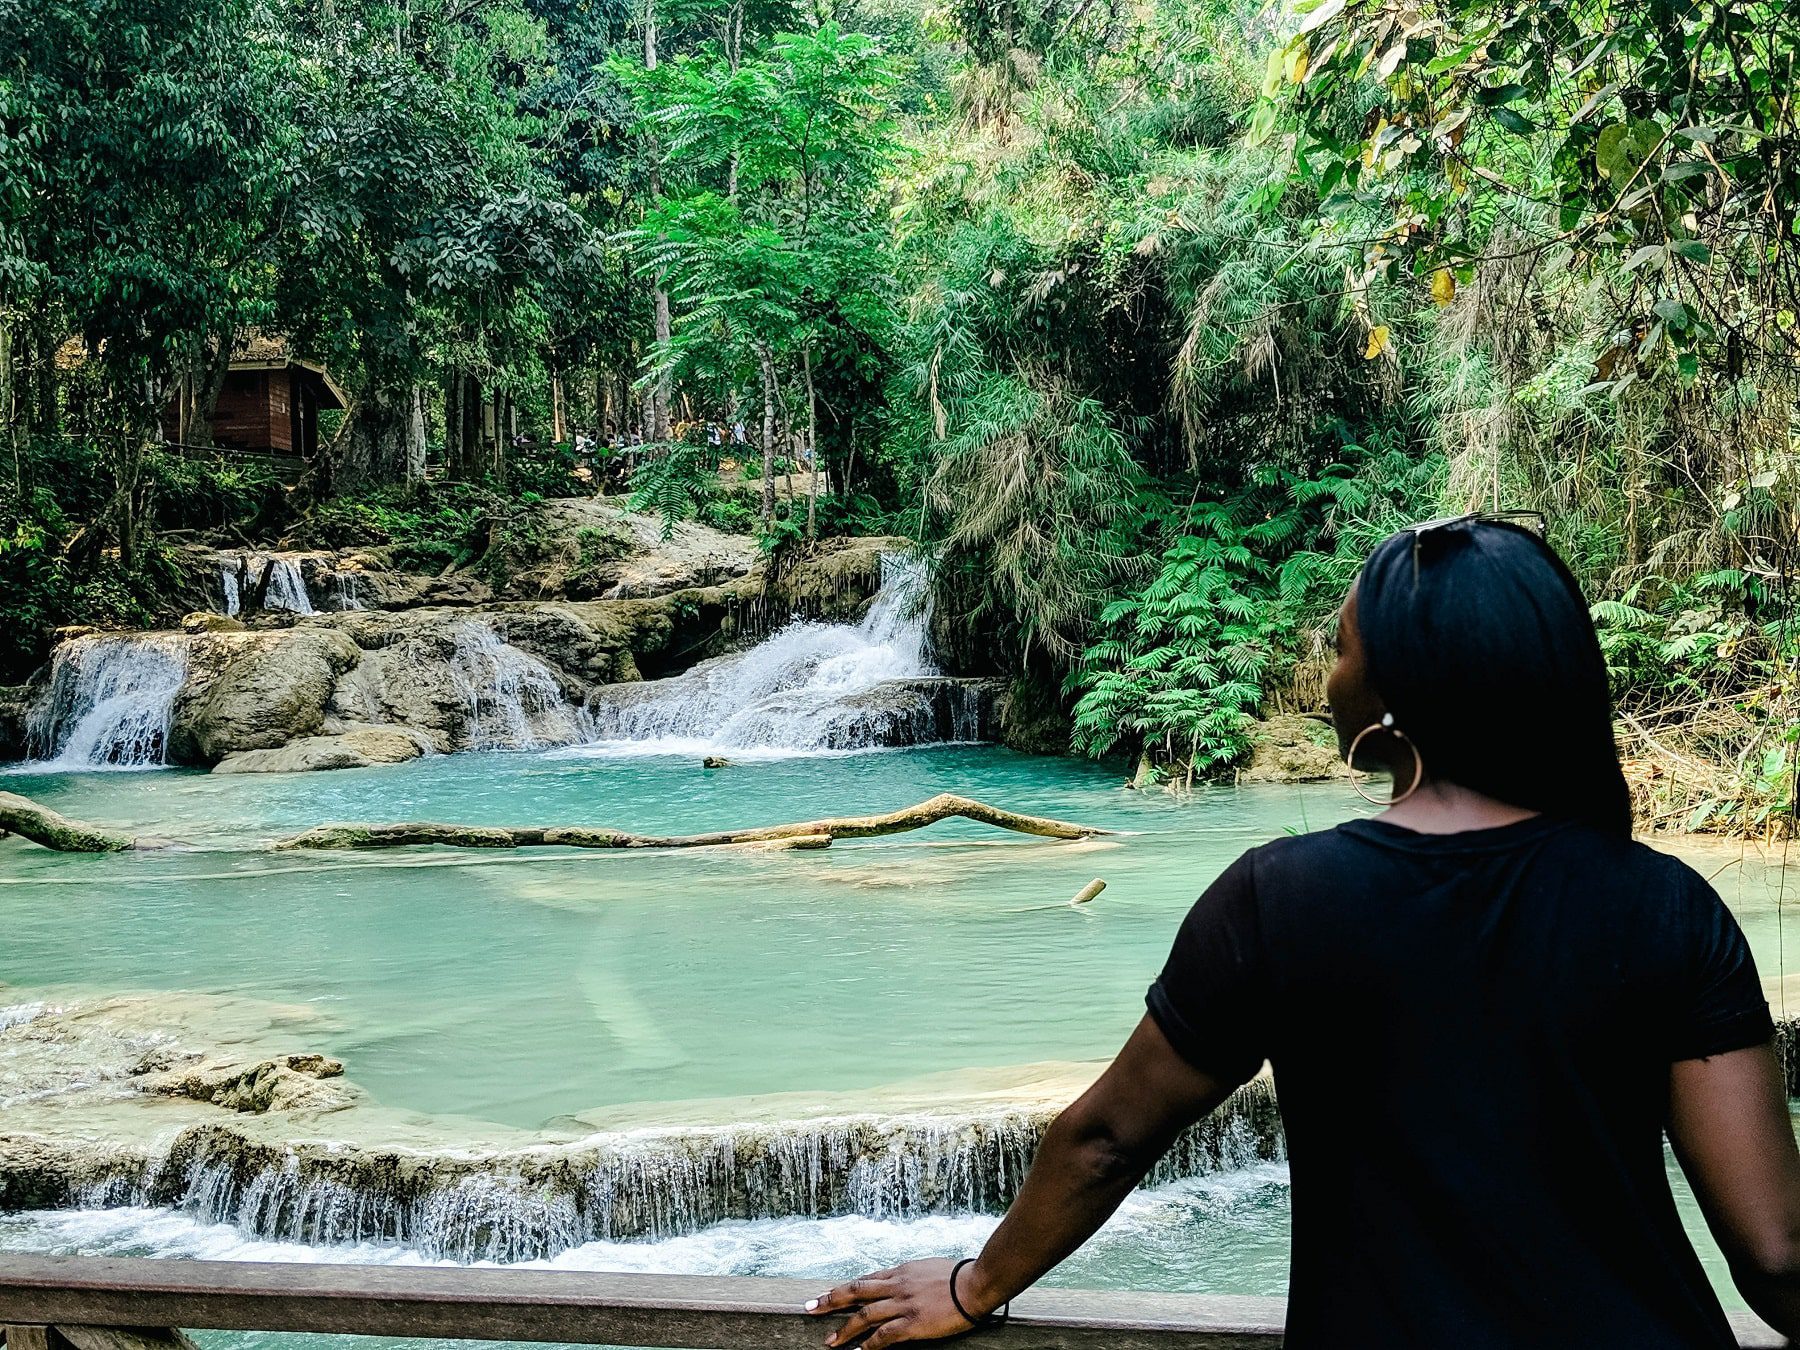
x=1478, y=641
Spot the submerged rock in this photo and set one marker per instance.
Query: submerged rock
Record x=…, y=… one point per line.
x=283, y=1083
x=357, y=748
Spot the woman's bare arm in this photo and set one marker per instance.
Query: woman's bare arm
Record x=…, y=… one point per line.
x=1728, y=1120
x=1091, y=1157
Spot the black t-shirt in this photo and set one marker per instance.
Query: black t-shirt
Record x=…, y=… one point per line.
x=1471, y=1037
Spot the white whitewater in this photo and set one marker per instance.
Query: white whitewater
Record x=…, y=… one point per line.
x=108, y=702
x=1236, y=1203
x=809, y=689
x=513, y=700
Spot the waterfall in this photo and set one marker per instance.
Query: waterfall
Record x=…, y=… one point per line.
x=108, y=702
x=513, y=700
x=535, y=1203
x=348, y=596
x=811, y=687
x=286, y=588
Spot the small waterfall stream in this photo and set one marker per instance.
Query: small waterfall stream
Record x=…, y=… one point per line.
x=811, y=687
x=286, y=587
x=108, y=702
x=513, y=699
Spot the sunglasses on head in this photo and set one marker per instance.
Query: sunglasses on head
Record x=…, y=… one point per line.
x=1527, y=520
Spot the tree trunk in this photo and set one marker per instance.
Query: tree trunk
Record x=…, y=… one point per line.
x=378, y=450
x=456, y=466
x=658, y=429
x=816, y=833
x=41, y=825
x=557, y=429
x=414, y=448
x=8, y=417
x=475, y=452
x=767, y=361
x=812, y=443
x=44, y=419
x=211, y=382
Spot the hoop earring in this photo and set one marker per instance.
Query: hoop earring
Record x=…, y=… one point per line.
x=1385, y=724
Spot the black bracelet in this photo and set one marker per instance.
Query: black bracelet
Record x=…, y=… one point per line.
x=993, y=1319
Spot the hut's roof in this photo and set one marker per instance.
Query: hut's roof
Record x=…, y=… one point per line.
x=254, y=351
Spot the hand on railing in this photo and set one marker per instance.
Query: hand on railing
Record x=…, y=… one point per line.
x=918, y=1301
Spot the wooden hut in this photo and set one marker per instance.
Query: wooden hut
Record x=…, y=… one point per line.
x=269, y=403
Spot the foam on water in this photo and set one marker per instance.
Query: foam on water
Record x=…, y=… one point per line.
x=1162, y=1224
x=108, y=702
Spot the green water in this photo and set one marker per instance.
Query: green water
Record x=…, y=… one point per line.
x=518, y=987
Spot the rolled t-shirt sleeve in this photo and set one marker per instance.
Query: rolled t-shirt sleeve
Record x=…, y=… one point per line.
x=1722, y=1007
x=1211, y=998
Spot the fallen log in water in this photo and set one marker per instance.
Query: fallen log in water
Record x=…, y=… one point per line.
x=801, y=834
x=24, y=817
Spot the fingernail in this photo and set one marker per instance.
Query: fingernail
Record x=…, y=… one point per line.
x=831, y=1339
x=811, y=1304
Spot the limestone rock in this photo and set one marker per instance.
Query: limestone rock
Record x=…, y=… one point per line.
x=282, y=1083
x=612, y=554
x=267, y=694
x=204, y=621
x=832, y=580
x=15, y=701
x=1033, y=719
x=358, y=748
x=1289, y=748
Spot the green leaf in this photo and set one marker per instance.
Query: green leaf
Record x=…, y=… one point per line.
x=1514, y=122
x=1496, y=96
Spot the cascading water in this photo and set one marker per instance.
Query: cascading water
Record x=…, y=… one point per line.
x=811, y=687
x=108, y=702
x=650, y=1184
x=286, y=588
x=513, y=700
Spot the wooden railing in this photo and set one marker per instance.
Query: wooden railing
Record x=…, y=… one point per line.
x=100, y=1303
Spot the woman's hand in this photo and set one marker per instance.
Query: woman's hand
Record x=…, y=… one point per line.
x=908, y=1303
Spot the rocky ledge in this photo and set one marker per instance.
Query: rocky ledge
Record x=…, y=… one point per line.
x=374, y=676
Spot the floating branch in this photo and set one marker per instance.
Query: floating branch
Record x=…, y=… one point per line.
x=802, y=834
x=24, y=817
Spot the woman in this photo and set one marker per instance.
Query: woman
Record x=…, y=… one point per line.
x=1483, y=1008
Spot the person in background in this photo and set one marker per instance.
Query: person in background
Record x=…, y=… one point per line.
x=1484, y=1008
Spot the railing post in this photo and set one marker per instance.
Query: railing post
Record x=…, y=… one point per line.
x=26, y=1337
